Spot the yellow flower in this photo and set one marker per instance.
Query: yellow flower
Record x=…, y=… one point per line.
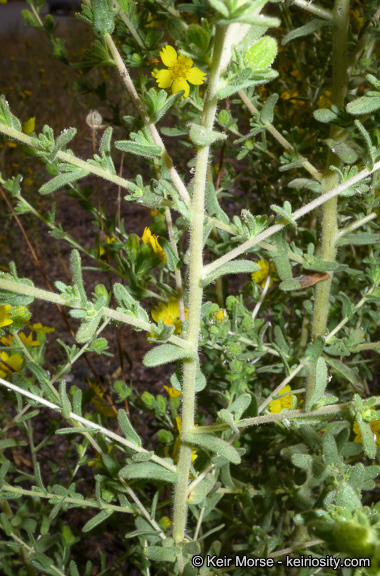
x=29, y=126
x=165, y=522
x=276, y=406
x=173, y=393
x=6, y=341
x=151, y=239
x=262, y=274
x=169, y=314
x=220, y=315
x=96, y=388
x=28, y=340
x=39, y=329
x=4, y=315
x=375, y=427
x=180, y=72
x=324, y=101
x=12, y=363
x=108, y=241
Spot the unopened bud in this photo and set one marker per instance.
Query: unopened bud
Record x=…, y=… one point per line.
x=94, y=119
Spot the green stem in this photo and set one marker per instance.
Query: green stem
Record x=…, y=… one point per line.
x=68, y=158
x=296, y=216
x=88, y=424
x=313, y=9
x=195, y=292
x=330, y=208
x=107, y=312
x=151, y=127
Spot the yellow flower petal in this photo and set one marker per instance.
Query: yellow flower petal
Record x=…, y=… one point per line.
x=181, y=84
x=196, y=76
x=4, y=316
x=173, y=393
x=164, y=78
x=185, y=61
x=168, y=55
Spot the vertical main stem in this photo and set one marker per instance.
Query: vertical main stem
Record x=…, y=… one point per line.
x=330, y=180
x=197, y=208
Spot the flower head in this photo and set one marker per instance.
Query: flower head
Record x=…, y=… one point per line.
x=375, y=427
x=152, y=240
x=180, y=72
x=29, y=126
x=9, y=363
x=173, y=393
x=169, y=314
x=220, y=315
x=262, y=274
x=39, y=329
x=276, y=406
x=4, y=315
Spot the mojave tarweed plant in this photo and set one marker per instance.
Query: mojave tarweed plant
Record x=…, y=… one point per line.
x=256, y=147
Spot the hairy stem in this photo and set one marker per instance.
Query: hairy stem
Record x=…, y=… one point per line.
x=330, y=180
x=195, y=291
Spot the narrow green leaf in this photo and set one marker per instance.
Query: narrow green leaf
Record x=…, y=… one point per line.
x=200, y=491
x=88, y=329
x=226, y=417
x=358, y=239
x=214, y=444
x=160, y=112
x=148, y=471
x=267, y=111
x=171, y=258
x=76, y=273
x=145, y=150
x=162, y=553
x=202, y=136
x=98, y=519
x=65, y=402
x=346, y=372
x=236, y=267
x=321, y=375
x=127, y=428
x=63, y=180
x=309, y=28
x=166, y=353
x=367, y=435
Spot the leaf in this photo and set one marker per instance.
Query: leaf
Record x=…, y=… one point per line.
x=127, y=428
x=236, y=267
x=267, y=111
x=202, y=136
x=364, y=105
x=65, y=402
x=240, y=405
x=321, y=266
x=214, y=444
x=227, y=417
x=166, y=353
x=161, y=111
x=347, y=497
x=102, y=18
x=88, y=328
x=344, y=152
x=346, y=372
x=145, y=150
x=367, y=435
x=325, y=115
x=358, y=239
x=289, y=285
x=309, y=28
x=321, y=374
x=76, y=273
x=103, y=515
x=162, y=553
x=200, y=491
x=261, y=55
x=241, y=81
x=63, y=180
x=148, y=471
x=172, y=259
